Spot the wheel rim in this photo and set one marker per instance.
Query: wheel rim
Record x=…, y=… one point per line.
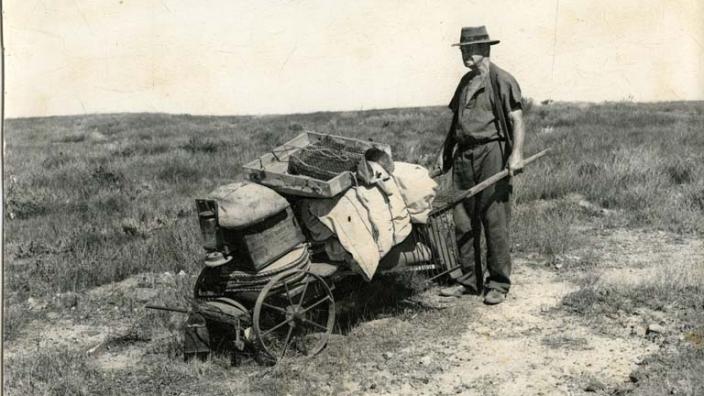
x=294, y=319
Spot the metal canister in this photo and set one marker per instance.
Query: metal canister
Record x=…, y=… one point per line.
x=212, y=240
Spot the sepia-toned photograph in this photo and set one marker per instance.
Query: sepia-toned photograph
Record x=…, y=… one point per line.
x=308, y=197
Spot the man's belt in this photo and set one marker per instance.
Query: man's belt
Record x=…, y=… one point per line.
x=476, y=143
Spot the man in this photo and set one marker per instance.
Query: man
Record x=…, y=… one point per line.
x=486, y=136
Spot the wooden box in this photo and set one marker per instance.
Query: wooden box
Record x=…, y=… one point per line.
x=270, y=169
x=259, y=245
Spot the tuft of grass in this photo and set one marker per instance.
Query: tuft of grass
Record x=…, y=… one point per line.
x=51, y=372
x=56, y=160
x=63, y=371
x=21, y=209
x=178, y=172
x=671, y=373
x=546, y=227
x=74, y=138
x=679, y=285
x=295, y=127
x=680, y=170
x=198, y=144
x=15, y=318
x=106, y=177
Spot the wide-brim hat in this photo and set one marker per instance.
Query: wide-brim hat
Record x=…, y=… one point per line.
x=216, y=259
x=475, y=35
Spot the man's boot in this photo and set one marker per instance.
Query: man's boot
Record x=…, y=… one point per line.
x=494, y=297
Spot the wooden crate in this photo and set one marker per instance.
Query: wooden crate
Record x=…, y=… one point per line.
x=271, y=169
x=259, y=245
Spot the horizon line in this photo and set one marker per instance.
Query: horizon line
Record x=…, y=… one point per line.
x=534, y=102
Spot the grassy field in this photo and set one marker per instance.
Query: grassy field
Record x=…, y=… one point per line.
x=92, y=200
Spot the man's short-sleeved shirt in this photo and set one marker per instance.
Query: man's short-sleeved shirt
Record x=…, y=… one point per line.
x=472, y=106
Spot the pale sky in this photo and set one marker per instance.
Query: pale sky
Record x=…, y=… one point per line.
x=265, y=56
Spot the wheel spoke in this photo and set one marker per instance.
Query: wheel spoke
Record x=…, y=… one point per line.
x=310, y=322
x=275, y=308
x=276, y=327
x=288, y=338
x=303, y=294
x=316, y=304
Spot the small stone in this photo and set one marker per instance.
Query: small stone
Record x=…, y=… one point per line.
x=594, y=386
x=68, y=300
x=639, y=330
x=145, y=294
x=426, y=360
x=387, y=355
x=182, y=273
x=655, y=328
x=35, y=304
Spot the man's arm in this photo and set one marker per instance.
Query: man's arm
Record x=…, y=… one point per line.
x=443, y=163
x=515, y=160
x=449, y=146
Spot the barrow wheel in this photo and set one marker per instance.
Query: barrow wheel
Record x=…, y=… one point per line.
x=294, y=318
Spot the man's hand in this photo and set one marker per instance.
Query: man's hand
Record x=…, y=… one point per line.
x=443, y=161
x=515, y=163
x=435, y=172
x=437, y=168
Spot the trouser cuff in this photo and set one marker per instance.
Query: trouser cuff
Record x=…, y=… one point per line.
x=499, y=286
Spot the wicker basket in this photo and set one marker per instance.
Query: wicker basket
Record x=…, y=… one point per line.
x=324, y=160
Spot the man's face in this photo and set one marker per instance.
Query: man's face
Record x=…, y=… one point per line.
x=472, y=55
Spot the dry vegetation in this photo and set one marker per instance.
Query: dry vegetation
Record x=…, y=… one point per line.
x=93, y=200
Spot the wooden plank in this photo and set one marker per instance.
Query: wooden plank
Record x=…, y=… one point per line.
x=486, y=183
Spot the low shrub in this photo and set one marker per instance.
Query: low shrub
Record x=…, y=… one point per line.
x=178, y=172
x=57, y=160
x=104, y=176
x=73, y=138
x=17, y=208
x=198, y=144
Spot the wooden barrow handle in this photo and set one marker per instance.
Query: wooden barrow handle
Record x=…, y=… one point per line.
x=489, y=181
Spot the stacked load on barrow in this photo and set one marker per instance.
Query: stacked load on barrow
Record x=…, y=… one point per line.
x=364, y=227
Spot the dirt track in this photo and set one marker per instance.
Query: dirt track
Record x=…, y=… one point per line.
x=529, y=345
x=532, y=345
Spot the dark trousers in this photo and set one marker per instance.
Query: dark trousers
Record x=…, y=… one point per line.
x=489, y=210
